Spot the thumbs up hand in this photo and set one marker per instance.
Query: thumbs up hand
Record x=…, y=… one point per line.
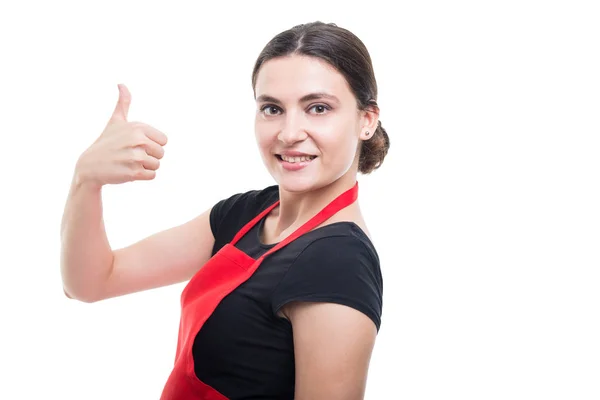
x=124, y=152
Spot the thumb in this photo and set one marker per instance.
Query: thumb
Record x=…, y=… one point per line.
x=122, y=107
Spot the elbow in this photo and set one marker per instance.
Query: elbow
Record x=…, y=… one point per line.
x=82, y=296
x=83, y=289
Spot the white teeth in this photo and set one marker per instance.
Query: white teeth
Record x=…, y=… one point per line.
x=296, y=159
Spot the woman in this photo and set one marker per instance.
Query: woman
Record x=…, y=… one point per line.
x=285, y=293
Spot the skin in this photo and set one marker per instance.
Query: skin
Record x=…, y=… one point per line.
x=332, y=342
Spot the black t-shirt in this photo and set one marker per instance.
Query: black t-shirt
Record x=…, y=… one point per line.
x=244, y=350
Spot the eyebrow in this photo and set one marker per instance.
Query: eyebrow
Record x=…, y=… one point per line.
x=305, y=98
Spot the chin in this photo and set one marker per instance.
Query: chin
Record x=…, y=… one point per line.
x=302, y=181
x=300, y=184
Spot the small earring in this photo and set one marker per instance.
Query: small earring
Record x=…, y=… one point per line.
x=367, y=133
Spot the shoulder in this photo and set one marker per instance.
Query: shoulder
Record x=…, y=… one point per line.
x=345, y=253
x=339, y=266
x=342, y=240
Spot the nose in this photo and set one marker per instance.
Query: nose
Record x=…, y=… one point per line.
x=293, y=129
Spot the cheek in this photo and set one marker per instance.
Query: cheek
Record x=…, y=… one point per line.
x=262, y=133
x=341, y=143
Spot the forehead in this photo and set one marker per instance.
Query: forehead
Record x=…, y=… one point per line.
x=294, y=76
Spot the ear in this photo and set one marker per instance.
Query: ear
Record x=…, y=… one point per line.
x=369, y=121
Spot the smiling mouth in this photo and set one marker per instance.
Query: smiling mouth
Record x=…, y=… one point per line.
x=293, y=160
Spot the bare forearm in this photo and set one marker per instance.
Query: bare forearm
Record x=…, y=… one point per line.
x=86, y=256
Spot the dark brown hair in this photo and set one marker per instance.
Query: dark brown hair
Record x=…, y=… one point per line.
x=347, y=54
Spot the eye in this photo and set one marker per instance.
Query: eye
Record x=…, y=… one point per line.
x=270, y=109
x=320, y=109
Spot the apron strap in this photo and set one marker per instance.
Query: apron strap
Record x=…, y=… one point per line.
x=339, y=203
x=250, y=224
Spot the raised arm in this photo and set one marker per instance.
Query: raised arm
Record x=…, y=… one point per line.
x=90, y=269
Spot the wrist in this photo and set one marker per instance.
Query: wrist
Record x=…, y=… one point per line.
x=83, y=180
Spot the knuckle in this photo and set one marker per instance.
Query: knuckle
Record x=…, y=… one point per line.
x=149, y=175
x=139, y=136
x=137, y=124
x=132, y=173
x=135, y=154
x=138, y=173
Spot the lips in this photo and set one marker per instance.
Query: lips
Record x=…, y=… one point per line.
x=294, y=163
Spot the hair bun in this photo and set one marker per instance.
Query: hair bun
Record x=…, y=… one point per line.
x=374, y=150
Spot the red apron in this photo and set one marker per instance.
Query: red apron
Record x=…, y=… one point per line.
x=226, y=270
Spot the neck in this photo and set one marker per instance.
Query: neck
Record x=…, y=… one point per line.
x=297, y=208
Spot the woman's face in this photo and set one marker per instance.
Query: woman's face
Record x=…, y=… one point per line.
x=307, y=124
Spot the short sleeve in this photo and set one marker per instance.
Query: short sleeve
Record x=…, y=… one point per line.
x=335, y=269
x=220, y=210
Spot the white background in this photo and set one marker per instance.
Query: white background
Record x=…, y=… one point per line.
x=485, y=213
